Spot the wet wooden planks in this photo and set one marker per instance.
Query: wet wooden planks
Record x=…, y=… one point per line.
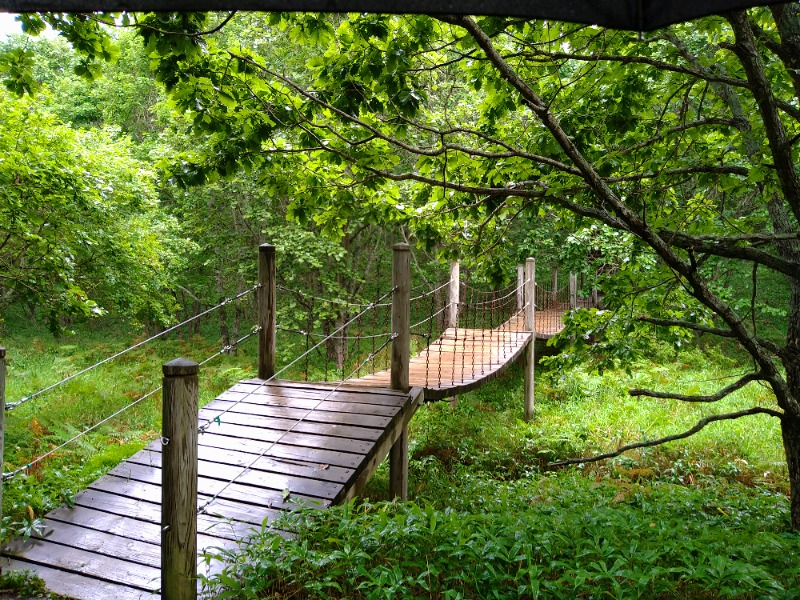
x=268, y=447
x=461, y=360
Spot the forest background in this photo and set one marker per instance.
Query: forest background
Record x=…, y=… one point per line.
x=140, y=173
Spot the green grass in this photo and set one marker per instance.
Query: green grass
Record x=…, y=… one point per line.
x=36, y=359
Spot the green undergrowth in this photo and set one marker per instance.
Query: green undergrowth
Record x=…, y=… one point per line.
x=705, y=517
x=581, y=414
x=557, y=536
x=36, y=359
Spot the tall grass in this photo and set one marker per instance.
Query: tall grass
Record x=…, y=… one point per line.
x=705, y=517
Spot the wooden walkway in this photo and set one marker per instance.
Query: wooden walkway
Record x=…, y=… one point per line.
x=276, y=445
x=460, y=360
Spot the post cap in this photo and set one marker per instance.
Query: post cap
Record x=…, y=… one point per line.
x=268, y=248
x=180, y=366
x=401, y=247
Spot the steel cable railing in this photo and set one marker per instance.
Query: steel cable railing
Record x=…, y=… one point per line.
x=53, y=451
x=12, y=405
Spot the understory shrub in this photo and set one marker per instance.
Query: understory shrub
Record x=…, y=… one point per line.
x=558, y=536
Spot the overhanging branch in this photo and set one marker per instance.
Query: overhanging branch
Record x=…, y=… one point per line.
x=701, y=424
x=687, y=325
x=721, y=247
x=726, y=391
x=770, y=346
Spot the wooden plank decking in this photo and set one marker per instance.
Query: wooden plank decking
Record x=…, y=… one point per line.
x=319, y=444
x=461, y=360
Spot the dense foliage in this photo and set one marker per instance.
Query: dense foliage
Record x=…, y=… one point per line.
x=562, y=537
x=708, y=519
x=663, y=168
x=79, y=227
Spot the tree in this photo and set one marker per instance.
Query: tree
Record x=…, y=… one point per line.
x=684, y=141
x=79, y=234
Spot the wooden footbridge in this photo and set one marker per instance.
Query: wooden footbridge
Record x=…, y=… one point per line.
x=264, y=446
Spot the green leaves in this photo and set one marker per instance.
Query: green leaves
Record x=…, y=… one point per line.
x=16, y=68
x=572, y=539
x=76, y=212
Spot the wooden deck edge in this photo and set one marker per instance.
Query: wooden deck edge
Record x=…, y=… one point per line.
x=75, y=585
x=381, y=449
x=347, y=386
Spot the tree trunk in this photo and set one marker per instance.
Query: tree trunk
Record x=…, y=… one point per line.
x=336, y=346
x=224, y=333
x=790, y=429
x=237, y=325
x=196, y=323
x=790, y=424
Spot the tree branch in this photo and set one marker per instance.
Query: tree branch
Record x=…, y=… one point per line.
x=701, y=424
x=726, y=391
x=679, y=129
x=538, y=55
x=687, y=325
x=729, y=250
x=727, y=333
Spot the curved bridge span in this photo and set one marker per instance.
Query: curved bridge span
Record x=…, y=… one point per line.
x=460, y=360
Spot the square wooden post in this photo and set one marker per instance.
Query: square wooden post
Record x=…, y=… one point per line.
x=573, y=291
x=530, y=322
x=520, y=287
x=179, y=481
x=401, y=314
x=454, y=294
x=267, y=307
x=2, y=424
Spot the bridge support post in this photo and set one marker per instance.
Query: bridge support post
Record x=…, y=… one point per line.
x=573, y=291
x=179, y=481
x=267, y=307
x=530, y=353
x=401, y=311
x=454, y=294
x=2, y=422
x=555, y=287
x=520, y=287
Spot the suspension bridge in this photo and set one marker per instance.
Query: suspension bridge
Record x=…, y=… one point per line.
x=155, y=522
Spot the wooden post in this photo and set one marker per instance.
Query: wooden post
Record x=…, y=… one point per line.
x=179, y=481
x=520, y=287
x=573, y=290
x=454, y=295
x=554, y=287
x=2, y=424
x=595, y=298
x=267, y=307
x=401, y=309
x=530, y=321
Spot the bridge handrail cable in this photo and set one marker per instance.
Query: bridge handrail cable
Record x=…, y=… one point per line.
x=12, y=405
x=204, y=427
x=41, y=458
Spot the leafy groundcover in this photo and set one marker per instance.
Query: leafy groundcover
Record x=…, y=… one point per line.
x=557, y=536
